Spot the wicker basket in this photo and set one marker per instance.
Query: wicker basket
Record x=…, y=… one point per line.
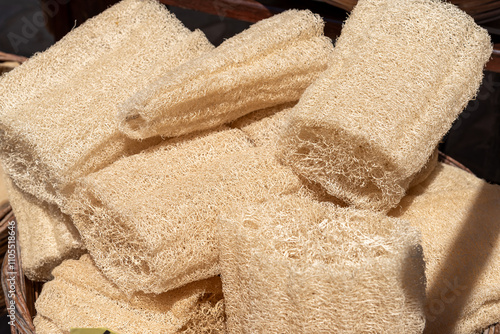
x=26, y=292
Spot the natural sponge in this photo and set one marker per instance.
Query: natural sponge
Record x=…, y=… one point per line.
x=46, y=235
x=459, y=217
x=80, y=296
x=58, y=110
x=150, y=220
x=297, y=266
x=270, y=63
x=401, y=73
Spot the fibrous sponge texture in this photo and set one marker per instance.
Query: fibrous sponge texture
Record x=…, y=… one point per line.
x=298, y=266
x=401, y=73
x=459, y=216
x=46, y=235
x=149, y=220
x=270, y=63
x=81, y=297
x=58, y=110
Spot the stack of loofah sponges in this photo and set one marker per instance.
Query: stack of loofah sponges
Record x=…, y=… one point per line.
x=459, y=216
x=80, y=297
x=297, y=266
x=46, y=235
x=401, y=73
x=271, y=63
x=58, y=110
x=150, y=220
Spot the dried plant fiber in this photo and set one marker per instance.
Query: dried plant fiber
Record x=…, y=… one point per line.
x=58, y=110
x=46, y=235
x=298, y=266
x=149, y=220
x=401, y=73
x=4, y=196
x=80, y=296
x=270, y=63
x=459, y=216
x=264, y=126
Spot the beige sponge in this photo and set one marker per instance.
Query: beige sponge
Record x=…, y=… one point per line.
x=297, y=266
x=46, y=235
x=149, y=220
x=81, y=297
x=401, y=73
x=459, y=216
x=58, y=110
x=271, y=63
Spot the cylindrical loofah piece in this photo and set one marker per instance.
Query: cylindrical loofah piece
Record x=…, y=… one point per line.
x=81, y=297
x=298, y=266
x=401, y=73
x=150, y=220
x=58, y=109
x=459, y=216
x=270, y=63
x=46, y=235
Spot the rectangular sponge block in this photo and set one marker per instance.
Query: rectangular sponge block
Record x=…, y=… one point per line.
x=294, y=265
x=150, y=220
x=270, y=63
x=81, y=297
x=58, y=110
x=402, y=71
x=46, y=235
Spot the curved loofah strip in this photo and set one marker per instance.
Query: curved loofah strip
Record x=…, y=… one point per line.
x=81, y=297
x=401, y=73
x=297, y=266
x=57, y=113
x=149, y=220
x=46, y=235
x=459, y=216
x=271, y=63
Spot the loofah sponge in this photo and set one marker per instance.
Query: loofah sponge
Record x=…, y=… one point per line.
x=149, y=220
x=271, y=63
x=80, y=296
x=459, y=216
x=298, y=266
x=401, y=73
x=46, y=235
x=58, y=110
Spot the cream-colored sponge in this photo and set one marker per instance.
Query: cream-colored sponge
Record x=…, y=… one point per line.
x=81, y=297
x=297, y=266
x=46, y=235
x=150, y=220
x=459, y=216
x=58, y=109
x=402, y=71
x=270, y=63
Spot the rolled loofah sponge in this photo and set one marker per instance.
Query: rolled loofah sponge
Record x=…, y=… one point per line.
x=58, y=110
x=298, y=266
x=459, y=216
x=46, y=235
x=270, y=63
x=149, y=220
x=401, y=73
x=81, y=297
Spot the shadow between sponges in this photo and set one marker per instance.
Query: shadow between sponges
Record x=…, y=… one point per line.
x=465, y=258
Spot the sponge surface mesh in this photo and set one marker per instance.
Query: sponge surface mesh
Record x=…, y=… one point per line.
x=298, y=266
x=401, y=72
x=270, y=63
x=57, y=113
x=149, y=220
